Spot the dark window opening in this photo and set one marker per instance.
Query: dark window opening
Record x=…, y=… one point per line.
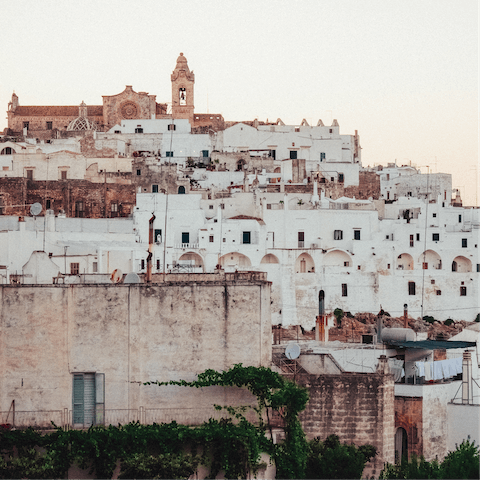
x=26, y=125
x=169, y=154
x=344, y=290
x=293, y=154
x=435, y=237
x=418, y=237
x=301, y=239
x=356, y=234
x=246, y=237
x=464, y=243
x=74, y=268
x=48, y=204
x=322, y=156
x=210, y=238
x=205, y=153
x=139, y=130
x=438, y=292
x=463, y=291
x=139, y=172
x=185, y=237
x=181, y=190
x=29, y=174
x=49, y=125
x=411, y=288
x=411, y=241
x=172, y=126
x=273, y=154
x=154, y=188
x=157, y=235
x=79, y=209
x=142, y=264
x=338, y=234
x=341, y=178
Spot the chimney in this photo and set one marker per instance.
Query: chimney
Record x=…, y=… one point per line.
x=467, y=392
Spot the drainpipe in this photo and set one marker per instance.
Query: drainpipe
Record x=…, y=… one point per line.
x=150, y=248
x=467, y=392
x=405, y=315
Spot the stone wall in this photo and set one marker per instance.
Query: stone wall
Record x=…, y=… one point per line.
x=357, y=407
x=62, y=197
x=132, y=334
x=145, y=174
x=408, y=415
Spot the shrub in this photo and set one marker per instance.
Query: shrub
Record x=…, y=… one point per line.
x=448, y=322
x=428, y=319
x=338, y=312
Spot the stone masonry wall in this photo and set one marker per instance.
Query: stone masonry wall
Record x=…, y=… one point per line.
x=359, y=408
x=408, y=415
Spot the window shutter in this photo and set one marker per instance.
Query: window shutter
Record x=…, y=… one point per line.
x=89, y=398
x=99, y=398
x=78, y=398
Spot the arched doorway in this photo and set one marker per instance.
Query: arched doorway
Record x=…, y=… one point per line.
x=401, y=444
x=305, y=264
x=181, y=190
x=461, y=264
x=190, y=262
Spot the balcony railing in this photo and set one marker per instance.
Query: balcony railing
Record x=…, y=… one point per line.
x=145, y=416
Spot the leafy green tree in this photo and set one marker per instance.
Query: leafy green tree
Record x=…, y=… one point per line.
x=332, y=459
x=463, y=462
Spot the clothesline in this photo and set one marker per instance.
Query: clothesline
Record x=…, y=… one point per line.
x=440, y=369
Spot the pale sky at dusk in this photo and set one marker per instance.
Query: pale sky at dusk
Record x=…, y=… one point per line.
x=402, y=73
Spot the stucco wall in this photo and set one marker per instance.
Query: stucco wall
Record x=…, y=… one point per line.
x=132, y=334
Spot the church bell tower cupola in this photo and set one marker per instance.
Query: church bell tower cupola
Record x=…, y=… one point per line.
x=182, y=90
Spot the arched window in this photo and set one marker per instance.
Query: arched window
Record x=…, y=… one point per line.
x=321, y=302
x=7, y=151
x=181, y=189
x=401, y=444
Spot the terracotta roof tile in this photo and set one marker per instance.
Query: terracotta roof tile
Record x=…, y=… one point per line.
x=57, y=111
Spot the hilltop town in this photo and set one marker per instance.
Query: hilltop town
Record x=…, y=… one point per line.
x=145, y=241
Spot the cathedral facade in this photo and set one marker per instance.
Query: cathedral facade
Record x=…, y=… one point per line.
x=45, y=122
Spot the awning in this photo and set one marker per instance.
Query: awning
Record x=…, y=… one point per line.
x=432, y=344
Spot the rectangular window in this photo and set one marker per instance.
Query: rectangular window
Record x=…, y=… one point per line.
x=210, y=238
x=49, y=125
x=74, y=268
x=114, y=209
x=88, y=399
x=425, y=265
x=411, y=288
x=322, y=156
x=63, y=174
x=48, y=204
x=411, y=241
x=139, y=172
x=356, y=234
x=435, y=237
x=205, y=153
x=29, y=174
x=388, y=266
x=346, y=264
x=222, y=206
x=301, y=239
x=418, y=237
x=344, y=290
x=158, y=264
x=434, y=215
x=340, y=178
x=293, y=154
x=95, y=267
x=438, y=292
x=246, y=237
x=338, y=234
x=142, y=264
x=459, y=219
x=139, y=130
x=157, y=235
x=464, y=243
x=172, y=126
x=26, y=125
x=169, y=154
x=273, y=154
x=154, y=188
x=185, y=237
x=463, y=291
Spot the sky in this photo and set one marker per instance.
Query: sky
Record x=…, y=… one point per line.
x=403, y=73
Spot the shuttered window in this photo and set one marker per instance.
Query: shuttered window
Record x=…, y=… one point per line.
x=88, y=398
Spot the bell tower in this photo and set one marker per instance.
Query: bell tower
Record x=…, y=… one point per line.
x=182, y=90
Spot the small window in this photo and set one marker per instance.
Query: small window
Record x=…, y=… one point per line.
x=205, y=153
x=222, y=206
x=344, y=290
x=185, y=237
x=139, y=130
x=26, y=125
x=432, y=282
x=459, y=219
x=246, y=237
x=114, y=207
x=142, y=264
x=48, y=204
x=338, y=234
x=322, y=156
x=346, y=264
x=411, y=241
x=169, y=154
x=172, y=126
x=341, y=178
x=95, y=267
x=435, y=237
x=388, y=266
x=210, y=238
x=293, y=154
x=330, y=130
x=356, y=234
x=29, y=174
x=49, y=125
x=74, y=268
x=273, y=154
x=425, y=265
x=301, y=239
x=117, y=131
x=210, y=207
x=63, y=174
x=154, y=188
x=359, y=267
x=418, y=237
x=464, y=243
x=181, y=190
x=158, y=264
x=434, y=215
x=269, y=206
x=157, y=235
x=139, y=172
x=463, y=291
x=438, y=292
x=411, y=288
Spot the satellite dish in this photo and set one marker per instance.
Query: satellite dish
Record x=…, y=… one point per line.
x=116, y=276
x=132, y=278
x=36, y=209
x=292, y=351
